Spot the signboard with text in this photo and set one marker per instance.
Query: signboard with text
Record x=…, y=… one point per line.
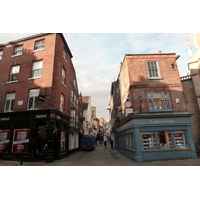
x=4, y=140
x=21, y=140
x=62, y=140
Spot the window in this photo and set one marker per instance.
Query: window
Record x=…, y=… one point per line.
x=65, y=54
x=63, y=75
x=164, y=140
x=10, y=99
x=18, y=50
x=39, y=45
x=1, y=54
x=33, y=99
x=37, y=69
x=62, y=100
x=14, y=72
x=158, y=101
x=153, y=69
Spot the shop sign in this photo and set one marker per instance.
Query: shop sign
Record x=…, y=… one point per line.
x=39, y=116
x=156, y=121
x=5, y=119
x=62, y=140
x=21, y=140
x=4, y=140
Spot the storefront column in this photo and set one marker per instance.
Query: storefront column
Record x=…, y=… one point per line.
x=191, y=142
x=138, y=147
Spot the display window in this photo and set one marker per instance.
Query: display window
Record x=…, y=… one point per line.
x=4, y=140
x=163, y=140
x=129, y=138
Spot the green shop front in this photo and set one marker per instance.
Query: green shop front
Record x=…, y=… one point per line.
x=155, y=137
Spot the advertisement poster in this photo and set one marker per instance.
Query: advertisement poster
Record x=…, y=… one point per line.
x=21, y=140
x=62, y=141
x=4, y=140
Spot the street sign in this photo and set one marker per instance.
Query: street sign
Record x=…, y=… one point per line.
x=128, y=104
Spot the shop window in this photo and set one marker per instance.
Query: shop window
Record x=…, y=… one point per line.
x=10, y=100
x=163, y=140
x=33, y=99
x=158, y=101
x=129, y=138
x=14, y=72
x=62, y=101
x=1, y=54
x=18, y=50
x=37, y=69
x=39, y=45
x=153, y=70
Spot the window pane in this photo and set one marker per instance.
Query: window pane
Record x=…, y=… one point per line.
x=164, y=140
x=180, y=139
x=37, y=73
x=10, y=96
x=30, y=103
x=15, y=69
x=14, y=77
x=148, y=140
x=34, y=92
x=37, y=65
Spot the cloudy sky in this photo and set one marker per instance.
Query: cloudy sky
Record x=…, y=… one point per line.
x=97, y=56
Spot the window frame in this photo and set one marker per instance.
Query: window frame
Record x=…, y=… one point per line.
x=35, y=100
x=1, y=54
x=15, y=53
x=40, y=46
x=63, y=76
x=158, y=70
x=38, y=69
x=11, y=74
x=62, y=102
x=152, y=97
x=11, y=102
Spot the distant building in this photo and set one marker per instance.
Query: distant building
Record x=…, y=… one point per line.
x=156, y=123
x=40, y=108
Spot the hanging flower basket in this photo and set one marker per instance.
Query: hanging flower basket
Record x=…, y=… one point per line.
x=71, y=131
x=42, y=132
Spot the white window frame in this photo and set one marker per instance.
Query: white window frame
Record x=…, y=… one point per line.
x=151, y=72
x=13, y=72
x=18, y=50
x=65, y=54
x=1, y=54
x=63, y=79
x=37, y=66
x=10, y=99
x=39, y=45
x=62, y=102
x=34, y=95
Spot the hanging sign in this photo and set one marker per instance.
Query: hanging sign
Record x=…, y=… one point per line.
x=4, y=140
x=21, y=140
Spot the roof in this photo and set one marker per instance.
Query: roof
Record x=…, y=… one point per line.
x=36, y=36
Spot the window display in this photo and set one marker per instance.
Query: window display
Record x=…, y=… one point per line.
x=163, y=140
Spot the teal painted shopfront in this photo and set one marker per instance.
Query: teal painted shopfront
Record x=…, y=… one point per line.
x=155, y=137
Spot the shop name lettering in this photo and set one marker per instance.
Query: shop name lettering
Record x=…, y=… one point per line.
x=162, y=121
x=5, y=119
x=3, y=136
x=41, y=116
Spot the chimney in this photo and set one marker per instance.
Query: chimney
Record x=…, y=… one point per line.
x=159, y=51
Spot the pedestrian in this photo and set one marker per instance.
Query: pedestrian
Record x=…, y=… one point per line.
x=98, y=143
x=105, y=143
x=111, y=144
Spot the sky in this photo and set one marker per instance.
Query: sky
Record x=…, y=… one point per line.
x=97, y=57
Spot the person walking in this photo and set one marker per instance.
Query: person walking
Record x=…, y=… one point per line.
x=105, y=144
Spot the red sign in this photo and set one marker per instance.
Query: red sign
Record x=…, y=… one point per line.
x=4, y=140
x=62, y=140
x=21, y=140
x=128, y=104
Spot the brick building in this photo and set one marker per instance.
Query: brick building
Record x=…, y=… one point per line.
x=156, y=123
x=40, y=105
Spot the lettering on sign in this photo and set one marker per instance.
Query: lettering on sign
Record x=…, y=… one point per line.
x=41, y=116
x=5, y=119
x=152, y=121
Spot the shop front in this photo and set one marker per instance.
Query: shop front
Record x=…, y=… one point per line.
x=156, y=137
x=35, y=135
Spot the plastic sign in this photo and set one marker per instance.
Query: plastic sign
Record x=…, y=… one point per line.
x=128, y=104
x=21, y=140
x=4, y=140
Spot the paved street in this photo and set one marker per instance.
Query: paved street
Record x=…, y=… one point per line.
x=103, y=157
